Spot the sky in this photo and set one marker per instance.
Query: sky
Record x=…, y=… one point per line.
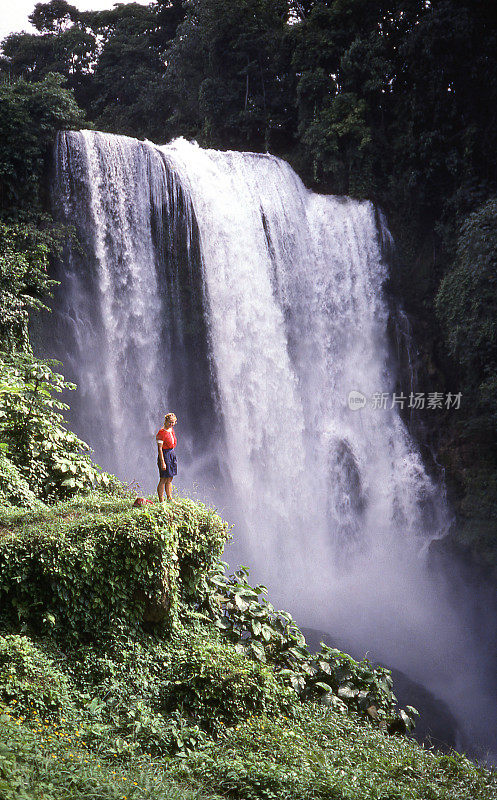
x=14, y=13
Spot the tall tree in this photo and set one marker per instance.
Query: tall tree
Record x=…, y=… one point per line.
x=30, y=115
x=225, y=70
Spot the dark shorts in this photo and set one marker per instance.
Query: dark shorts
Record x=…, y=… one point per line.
x=171, y=464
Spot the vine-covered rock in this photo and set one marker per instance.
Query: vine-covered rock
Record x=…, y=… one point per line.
x=78, y=569
x=77, y=574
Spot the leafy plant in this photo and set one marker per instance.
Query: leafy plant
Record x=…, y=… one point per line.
x=215, y=686
x=14, y=488
x=329, y=677
x=53, y=460
x=30, y=680
x=467, y=307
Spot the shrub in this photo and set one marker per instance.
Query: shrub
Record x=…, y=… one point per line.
x=77, y=574
x=53, y=461
x=13, y=487
x=215, y=686
x=32, y=112
x=466, y=304
x=331, y=677
x=30, y=680
x=202, y=535
x=51, y=763
x=24, y=261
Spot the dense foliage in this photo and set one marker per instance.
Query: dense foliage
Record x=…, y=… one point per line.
x=248, y=620
x=40, y=458
x=215, y=695
x=467, y=304
x=52, y=460
x=77, y=565
x=24, y=252
x=30, y=115
x=309, y=758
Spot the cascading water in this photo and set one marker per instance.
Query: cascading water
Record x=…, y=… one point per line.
x=216, y=285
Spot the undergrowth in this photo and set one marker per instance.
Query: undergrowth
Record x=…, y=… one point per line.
x=132, y=666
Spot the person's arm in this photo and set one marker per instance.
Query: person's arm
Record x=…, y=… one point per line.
x=161, y=454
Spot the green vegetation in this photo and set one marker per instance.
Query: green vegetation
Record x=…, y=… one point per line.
x=119, y=681
x=31, y=423
x=467, y=306
x=31, y=114
x=131, y=665
x=51, y=459
x=390, y=100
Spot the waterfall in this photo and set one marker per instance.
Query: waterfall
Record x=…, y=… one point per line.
x=214, y=284
x=129, y=326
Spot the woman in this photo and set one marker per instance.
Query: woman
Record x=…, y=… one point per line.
x=166, y=461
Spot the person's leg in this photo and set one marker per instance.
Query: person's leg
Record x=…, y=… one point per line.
x=169, y=491
x=160, y=489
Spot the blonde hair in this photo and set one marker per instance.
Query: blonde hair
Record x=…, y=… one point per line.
x=170, y=419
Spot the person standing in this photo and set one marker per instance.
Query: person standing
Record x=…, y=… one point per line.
x=166, y=460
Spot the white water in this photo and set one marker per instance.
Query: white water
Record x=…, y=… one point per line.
x=334, y=506
x=295, y=326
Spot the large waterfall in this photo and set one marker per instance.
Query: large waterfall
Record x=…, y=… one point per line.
x=214, y=284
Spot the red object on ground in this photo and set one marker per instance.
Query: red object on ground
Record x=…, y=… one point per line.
x=142, y=501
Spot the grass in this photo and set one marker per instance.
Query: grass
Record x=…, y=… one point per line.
x=319, y=755
x=325, y=754
x=79, y=510
x=45, y=761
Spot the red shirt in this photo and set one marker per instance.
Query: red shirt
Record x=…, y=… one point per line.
x=168, y=439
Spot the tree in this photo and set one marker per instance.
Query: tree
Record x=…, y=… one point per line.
x=129, y=94
x=30, y=115
x=224, y=69
x=24, y=282
x=51, y=459
x=113, y=60
x=467, y=305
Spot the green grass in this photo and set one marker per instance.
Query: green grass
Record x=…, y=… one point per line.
x=50, y=762
x=325, y=754
x=78, y=511
x=320, y=755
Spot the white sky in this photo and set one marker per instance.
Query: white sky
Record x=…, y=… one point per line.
x=14, y=13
